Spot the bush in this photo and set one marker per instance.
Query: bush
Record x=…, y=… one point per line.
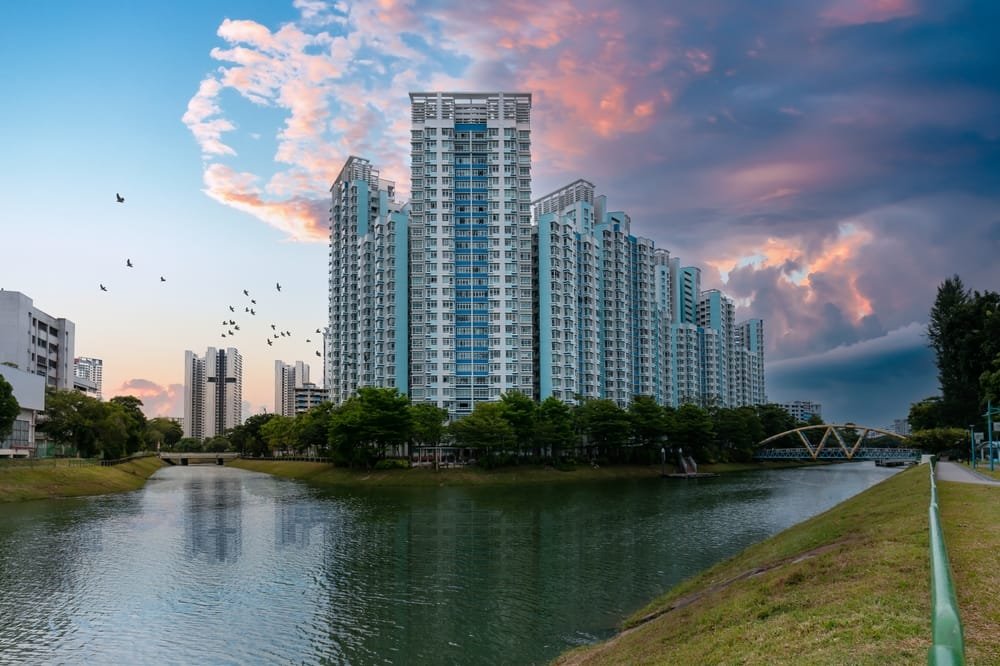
x=393, y=463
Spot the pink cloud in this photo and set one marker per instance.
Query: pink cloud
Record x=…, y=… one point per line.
x=157, y=400
x=856, y=12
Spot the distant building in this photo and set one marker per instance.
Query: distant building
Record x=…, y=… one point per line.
x=901, y=427
x=29, y=391
x=308, y=396
x=88, y=376
x=287, y=379
x=213, y=392
x=36, y=342
x=803, y=410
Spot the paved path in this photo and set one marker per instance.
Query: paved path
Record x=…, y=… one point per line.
x=949, y=471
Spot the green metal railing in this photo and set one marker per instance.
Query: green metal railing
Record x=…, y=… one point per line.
x=947, y=647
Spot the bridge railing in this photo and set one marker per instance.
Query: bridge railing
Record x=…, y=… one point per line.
x=874, y=453
x=948, y=646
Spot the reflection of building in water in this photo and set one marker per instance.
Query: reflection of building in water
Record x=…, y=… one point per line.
x=293, y=522
x=214, y=519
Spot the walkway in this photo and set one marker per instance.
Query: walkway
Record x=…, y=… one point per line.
x=949, y=471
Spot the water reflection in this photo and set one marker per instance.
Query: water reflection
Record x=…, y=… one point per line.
x=213, y=521
x=218, y=565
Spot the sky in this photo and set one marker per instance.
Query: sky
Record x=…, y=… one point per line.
x=827, y=163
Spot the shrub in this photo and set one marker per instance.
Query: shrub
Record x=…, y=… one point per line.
x=393, y=463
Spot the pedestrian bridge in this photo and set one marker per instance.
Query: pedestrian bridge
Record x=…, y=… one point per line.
x=832, y=446
x=180, y=458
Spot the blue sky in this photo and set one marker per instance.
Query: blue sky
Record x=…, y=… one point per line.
x=827, y=163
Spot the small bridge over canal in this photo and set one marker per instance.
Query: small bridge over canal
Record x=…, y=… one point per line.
x=197, y=458
x=834, y=445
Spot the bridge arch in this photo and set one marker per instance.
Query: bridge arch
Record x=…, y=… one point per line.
x=841, y=449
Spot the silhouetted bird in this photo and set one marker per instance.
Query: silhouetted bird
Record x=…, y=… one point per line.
x=282, y=334
x=232, y=309
x=253, y=301
x=103, y=288
x=308, y=340
x=318, y=354
x=318, y=331
x=273, y=327
x=236, y=327
x=288, y=333
x=128, y=262
x=224, y=322
x=232, y=322
x=223, y=335
x=252, y=312
x=246, y=309
x=230, y=331
x=278, y=285
x=246, y=293
x=119, y=198
x=163, y=279
x=269, y=343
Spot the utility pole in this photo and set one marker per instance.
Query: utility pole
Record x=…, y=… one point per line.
x=972, y=444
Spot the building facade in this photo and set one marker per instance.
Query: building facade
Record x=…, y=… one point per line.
x=29, y=391
x=308, y=396
x=36, y=342
x=367, y=338
x=803, y=410
x=287, y=379
x=471, y=332
x=88, y=374
x=213, y=392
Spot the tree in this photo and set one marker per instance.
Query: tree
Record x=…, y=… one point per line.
x=134, y=421
x=9, y=409
x=774, y=419
x=370, y=422
x=217, y=444
x=69, y=419
x=428, y=423
x=693, y=432
x=648, y=421
x=484, y=428
x=280, y=433
x=939, y=440
x=247, y=438
x=554, y=426
x=162, y=432
x=519, y=410
x=188, y=445
x=926, y=414
x=314, y=429
x=605, y=424
x=737, y=432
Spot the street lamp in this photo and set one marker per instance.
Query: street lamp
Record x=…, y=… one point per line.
x=972, y=444
x=990, y=411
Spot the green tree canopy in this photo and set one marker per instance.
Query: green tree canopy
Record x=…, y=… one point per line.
x=247, y=438
x=519, y=410
x=649, y=422
x=428, y=423
x=9, y=409
x=554, y=426
x=163, y=432
x=133, y=420
x=693, y=432
x=484, y=428
x=774, y=419
x=605, y=424
x=370, y=421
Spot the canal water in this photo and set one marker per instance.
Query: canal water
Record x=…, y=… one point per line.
x=216, y=565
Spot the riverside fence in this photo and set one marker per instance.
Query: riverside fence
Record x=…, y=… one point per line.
x=948, y=645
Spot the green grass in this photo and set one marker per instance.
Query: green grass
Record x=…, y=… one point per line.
x=21, y=482
x=984, y=469
x=326, y=474
x=970, y=516
x=850, y=586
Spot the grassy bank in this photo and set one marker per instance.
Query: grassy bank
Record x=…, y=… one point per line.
x=325, y=474
x=850, y=586
x=984, y=469
x=18, y=483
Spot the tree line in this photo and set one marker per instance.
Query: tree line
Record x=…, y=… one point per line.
x=964, y=334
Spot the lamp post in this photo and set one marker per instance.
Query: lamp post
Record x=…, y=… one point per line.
x=972, y=444
x=990, y=411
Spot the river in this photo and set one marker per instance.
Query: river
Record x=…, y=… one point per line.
x=216, y=565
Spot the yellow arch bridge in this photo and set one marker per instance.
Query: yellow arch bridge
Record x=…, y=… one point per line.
x=834, y=445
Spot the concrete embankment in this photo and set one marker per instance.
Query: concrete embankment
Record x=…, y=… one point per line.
x=50, y=479
x=849, y=586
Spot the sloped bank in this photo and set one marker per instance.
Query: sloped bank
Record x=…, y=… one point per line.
x=20, y=482
x=849, y=586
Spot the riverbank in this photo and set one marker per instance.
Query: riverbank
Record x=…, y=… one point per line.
x=329, y=475
x=21, y=482
x=848, y=586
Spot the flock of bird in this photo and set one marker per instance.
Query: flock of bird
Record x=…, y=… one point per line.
x=230, y=326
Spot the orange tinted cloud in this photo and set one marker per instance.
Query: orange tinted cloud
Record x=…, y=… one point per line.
x=856, y=12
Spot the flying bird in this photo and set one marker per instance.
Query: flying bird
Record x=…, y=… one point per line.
x=278, y=285
x=318, y=354
x=230, y=331
x=128, y=262
x=163, y=279
x=224, y=322
x=318, y=331
x=236, y=327
x=253, y=301
x=103, y=288
x=246, y=309
x=246, y=293
x=223, y=335
x=308, y=340
x=252, y=312
x=269, y=343
x=119, y=198
x=282, y=334
x=232, y=322
x=275, y=336
x=232, y=309
x=273, y=327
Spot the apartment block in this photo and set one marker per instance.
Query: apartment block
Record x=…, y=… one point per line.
x=36, y=342
x=803, y=410
x=287, y=379
x=88, y=376
x=213, y=392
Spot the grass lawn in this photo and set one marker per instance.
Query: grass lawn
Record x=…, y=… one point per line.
x=19, y=482
x=970, y=516
x=850, y=586
x=984, y=469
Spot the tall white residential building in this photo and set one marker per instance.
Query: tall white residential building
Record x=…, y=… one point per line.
x=803, y=410
x=367, y=339
x=213, y=392
x=36, y=342
x=471, y=328
x=91, y=371
x=288, y=378
x=308, y=396
x=716, y=315
x=749, y=363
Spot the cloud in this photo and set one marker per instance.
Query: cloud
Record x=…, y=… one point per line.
x=157, y=400
x=856, y=12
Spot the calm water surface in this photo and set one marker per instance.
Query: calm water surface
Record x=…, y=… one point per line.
x=214, y=565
